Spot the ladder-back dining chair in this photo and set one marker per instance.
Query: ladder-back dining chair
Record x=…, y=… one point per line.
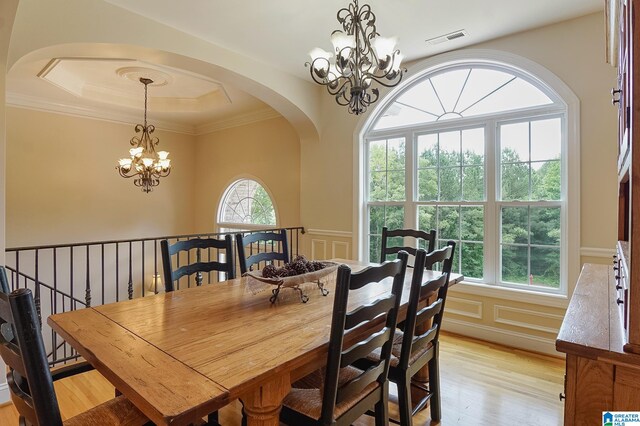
x=199, y=266
x=29, y=378
x=428, y=239
x=346, y=392
x=270, y=240
x=417, y=345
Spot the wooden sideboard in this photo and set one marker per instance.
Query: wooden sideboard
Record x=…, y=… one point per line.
x=627, y=98
x=600, y=375
x=600, y=333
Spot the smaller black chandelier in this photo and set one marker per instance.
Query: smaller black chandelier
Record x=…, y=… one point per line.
x=361, y=58
x=145, y=164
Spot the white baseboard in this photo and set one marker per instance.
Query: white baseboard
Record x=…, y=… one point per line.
x=4, y=393
x=501, y=336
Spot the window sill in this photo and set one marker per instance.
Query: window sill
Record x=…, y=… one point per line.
x=513, y=294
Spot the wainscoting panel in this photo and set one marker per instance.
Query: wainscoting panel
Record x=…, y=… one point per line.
x=318, y=249
x=526, y=318
x=340, y=249
x=464, y=307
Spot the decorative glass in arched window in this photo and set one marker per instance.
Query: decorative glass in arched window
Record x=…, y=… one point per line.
x=245, y=205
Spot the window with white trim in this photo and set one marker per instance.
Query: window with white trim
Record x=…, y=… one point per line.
x=477, y=152
x=246, y=205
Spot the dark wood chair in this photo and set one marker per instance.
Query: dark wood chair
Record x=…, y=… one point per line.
x=271, y=240
x=29, y=378
x=413, y=347
x=428, y=237
x=198, y=267
x=346, y=392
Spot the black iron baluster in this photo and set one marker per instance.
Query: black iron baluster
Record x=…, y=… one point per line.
x=37, y=289
x=117, y=272
x=130, y=284
x=17, y=270
x=178, y=267
x=87, y=290
x=198, y=274
x=70, y=275
x=143, y=282
x=102, y=271
x=54, y=337
x=155, y=266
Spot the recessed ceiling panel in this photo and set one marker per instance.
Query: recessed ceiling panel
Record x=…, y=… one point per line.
x=117, y=82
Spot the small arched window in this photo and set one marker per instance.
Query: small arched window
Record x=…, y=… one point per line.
x=246, y=205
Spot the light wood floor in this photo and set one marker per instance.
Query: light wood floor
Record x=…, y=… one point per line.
x=482, y=384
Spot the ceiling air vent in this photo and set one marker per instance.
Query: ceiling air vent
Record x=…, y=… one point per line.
x=447, y=37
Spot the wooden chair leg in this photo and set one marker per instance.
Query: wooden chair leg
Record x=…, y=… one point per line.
x=382, y=407
x=404, y=400
x=434, y=387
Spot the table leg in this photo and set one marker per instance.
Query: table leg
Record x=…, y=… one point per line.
x=262, y=405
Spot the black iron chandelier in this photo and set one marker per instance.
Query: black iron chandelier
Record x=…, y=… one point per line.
x=362, y=57
x=145, y=164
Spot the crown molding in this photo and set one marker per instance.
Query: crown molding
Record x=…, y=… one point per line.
x=238, y=120
x=39, y=104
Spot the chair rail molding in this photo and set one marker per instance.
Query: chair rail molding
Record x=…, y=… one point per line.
x=597, y=252
x=329, y=233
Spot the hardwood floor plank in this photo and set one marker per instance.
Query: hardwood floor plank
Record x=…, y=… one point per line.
x=482, y=384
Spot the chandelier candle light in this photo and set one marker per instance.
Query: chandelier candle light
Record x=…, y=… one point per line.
x=145, y=164
x=361, y=58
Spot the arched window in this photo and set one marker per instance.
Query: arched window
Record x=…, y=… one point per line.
x=246, y=205
x=477, y=150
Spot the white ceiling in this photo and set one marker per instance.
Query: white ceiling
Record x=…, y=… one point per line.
x=279, y=32
x=282, y=32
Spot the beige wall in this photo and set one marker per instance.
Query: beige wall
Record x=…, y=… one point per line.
x=62, y=184
x=574, y=51
x=268, y=151
x=76, y=194
x=7, y=12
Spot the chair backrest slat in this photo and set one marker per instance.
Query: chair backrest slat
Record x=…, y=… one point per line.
x=279, y=239
x=423, y=340
x=22, y=349
x=428, y=237
x=365, y=347
x=172, y=275
x=11, y=355
x=427, y=313
x=368, y=312
x=412, y=344
x=357, y=385
x=379, y=318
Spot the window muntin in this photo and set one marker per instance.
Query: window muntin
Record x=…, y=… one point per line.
x=532, y=180
x=246, y=202
x=459, y=93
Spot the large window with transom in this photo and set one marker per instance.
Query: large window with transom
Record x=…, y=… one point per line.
x=478, y=153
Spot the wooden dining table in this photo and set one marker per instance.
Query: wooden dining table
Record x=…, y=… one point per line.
x=179, y=356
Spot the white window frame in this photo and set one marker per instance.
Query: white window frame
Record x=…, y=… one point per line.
x=566, y=104
x=243, y=226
